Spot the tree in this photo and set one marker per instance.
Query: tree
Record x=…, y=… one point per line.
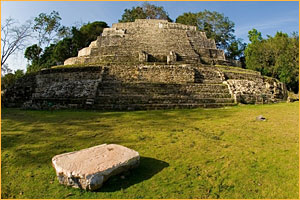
x=56, y=53
x=32, y=53
x=64, y=49
x=19, y=73
x=48, y=27
x=188, y=19
x=10, y=78
x=254, y=36
x=91, y=31
x=146, y=11
x=275, y=56
x=5, y=69
x=13, y=38
x=45, y=60
x=49, y=30
x=7, y=80
x=235, y=51
x=214, y=24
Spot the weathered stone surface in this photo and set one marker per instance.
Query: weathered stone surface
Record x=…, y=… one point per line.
x=124, y=42
x=149, y=64
x=89, y=168
x=141, y=86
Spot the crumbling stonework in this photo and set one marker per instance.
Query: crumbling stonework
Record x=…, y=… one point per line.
x=250, y=87
x=146, y=64
x=134, y=87
x=150, y=41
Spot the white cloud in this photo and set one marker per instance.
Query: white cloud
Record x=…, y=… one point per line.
x=243, y=30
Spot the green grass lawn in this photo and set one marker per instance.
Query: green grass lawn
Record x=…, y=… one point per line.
x=197, y=153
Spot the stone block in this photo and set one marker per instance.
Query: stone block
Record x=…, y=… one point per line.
x=84, y=52
x=89, y=168
x=172, y=57
x=143, y=56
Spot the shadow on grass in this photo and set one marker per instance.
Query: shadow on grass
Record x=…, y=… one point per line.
x=29, y=117
x=148, y=168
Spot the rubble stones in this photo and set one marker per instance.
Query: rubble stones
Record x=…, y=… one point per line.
x=89, y=168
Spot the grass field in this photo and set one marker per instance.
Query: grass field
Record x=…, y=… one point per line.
x=198, y=153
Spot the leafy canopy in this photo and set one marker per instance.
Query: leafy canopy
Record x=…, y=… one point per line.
x=214, y=24
x=57, y=52
x=276, y=56
x=146, y=11
x=47, y=26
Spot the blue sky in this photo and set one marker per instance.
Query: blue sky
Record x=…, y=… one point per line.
x=267, y=17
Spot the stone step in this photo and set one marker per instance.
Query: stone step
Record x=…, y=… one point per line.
x=157, y=100
x=165, y=96
x=155, y=91
x=149, y=92
x=161, y=106
x=146, y=100
x=90, y=101
x=212, y=81
x=162, y=86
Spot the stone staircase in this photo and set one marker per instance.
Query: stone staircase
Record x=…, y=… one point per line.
x=143, y=96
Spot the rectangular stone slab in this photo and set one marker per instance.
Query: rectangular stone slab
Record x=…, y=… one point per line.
x=89, y=168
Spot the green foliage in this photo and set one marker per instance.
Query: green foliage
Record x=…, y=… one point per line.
x=131, y=14
x=254, y=35
x=49, y=30
x=9, y=79
x=188, y=19
x=64, y=49
x=56, y=53
x=48, y=59
x=32, y=53
x=235, y=50
x=146, y=11
x=275, y=56
x=39, y=62
x=196, y=153
x=214, y=24
x=217, y=27
x=47, y=26
x=33, y=68
x=5, y=69
x=90, y=32
x=19, y=73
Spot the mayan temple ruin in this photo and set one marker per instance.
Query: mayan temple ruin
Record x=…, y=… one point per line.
x=150, y=41
x=146, y=64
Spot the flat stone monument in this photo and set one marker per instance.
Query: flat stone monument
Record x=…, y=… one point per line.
x=89, y=168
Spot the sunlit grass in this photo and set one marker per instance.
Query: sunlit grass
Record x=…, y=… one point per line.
x=197, y=153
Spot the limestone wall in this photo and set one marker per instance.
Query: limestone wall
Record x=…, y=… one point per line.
x=67, y=83
x=150, y=73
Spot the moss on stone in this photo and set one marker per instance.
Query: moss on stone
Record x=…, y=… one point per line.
x=75, y=66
